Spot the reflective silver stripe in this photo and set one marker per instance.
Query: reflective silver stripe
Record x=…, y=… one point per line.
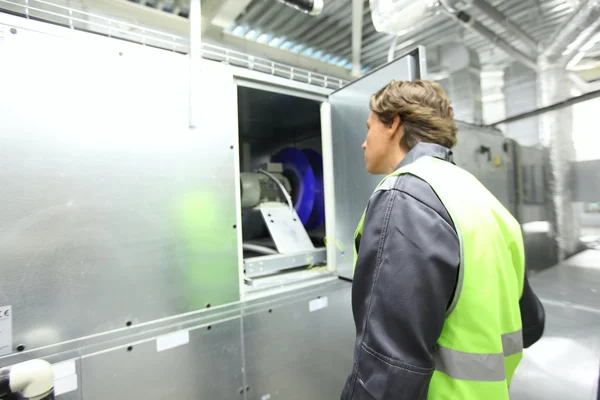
x=470, y=366
x=476, y=366
x=512, y=343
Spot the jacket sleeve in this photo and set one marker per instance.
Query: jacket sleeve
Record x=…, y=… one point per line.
x=533, y=316
x=404, y=280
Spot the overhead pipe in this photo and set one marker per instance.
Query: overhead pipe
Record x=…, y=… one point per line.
x=311, y=7
x=470, y=22
x=575, y=53
x=454, y=6
x=498, y=17
x=392, y=49
x=575, y=31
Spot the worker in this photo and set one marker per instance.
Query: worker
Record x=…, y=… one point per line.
x=441, y=302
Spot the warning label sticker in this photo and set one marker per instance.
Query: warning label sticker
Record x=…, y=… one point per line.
x=5, y=330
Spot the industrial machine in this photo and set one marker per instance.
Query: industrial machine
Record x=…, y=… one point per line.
x=147, y=259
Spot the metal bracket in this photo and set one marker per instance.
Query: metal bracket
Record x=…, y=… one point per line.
x=270, y=264
x=286, y=229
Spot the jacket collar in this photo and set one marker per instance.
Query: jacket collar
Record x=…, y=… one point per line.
x=427, y=149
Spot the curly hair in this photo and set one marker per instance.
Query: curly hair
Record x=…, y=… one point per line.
x=424, y=110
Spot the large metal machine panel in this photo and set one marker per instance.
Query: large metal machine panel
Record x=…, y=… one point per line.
x=208, y=367
x=586, y=181
x=489, y=156
x=113, y=211
x=353, y=184
x=301, y=350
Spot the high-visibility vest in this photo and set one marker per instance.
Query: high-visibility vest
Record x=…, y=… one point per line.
x=481, y=343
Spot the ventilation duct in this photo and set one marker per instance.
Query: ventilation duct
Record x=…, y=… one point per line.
x=556, y=129
x=401, y=16
x=460, y=76
x=573, y=34
x=312, y=7
x=398, y=17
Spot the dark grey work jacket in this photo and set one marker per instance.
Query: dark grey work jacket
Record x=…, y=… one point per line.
x=405, y=277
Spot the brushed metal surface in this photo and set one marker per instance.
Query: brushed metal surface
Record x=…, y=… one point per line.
x=112, y=210
x=565, y=363
x=208, y=367
x=353, y=184
x=586, y=181
x=294, y=354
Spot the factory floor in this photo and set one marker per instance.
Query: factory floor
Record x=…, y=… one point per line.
x=565, y=363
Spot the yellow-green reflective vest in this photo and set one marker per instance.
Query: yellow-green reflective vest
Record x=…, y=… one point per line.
x=481, y=343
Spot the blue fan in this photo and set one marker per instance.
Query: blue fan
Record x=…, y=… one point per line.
x=317, y=216
x=297, y=166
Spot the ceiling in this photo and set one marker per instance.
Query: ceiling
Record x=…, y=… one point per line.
x=327, y=38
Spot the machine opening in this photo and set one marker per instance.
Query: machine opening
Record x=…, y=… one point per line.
x=281, y=182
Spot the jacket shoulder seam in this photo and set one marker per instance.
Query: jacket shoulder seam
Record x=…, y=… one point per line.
x=398, y=190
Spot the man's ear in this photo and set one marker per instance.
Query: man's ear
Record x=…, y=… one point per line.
x=394, y=127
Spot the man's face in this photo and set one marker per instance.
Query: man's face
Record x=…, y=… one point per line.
x=376, y=145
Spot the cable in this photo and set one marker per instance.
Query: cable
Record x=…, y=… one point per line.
x=278, y=182
x=258, y=248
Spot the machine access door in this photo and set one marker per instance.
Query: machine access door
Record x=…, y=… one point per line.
x=352, y=185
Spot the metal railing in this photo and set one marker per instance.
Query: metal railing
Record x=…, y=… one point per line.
x=77, y=19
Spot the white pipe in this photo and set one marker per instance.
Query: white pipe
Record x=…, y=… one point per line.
x=392, y=49
x=33, y=379
x=357, y=24
x=195, y=18
x=281, y=187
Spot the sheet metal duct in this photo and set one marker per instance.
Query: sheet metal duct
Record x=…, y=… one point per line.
x=556, y=132
x=462, y=80
x=498, y=17
x=556, y=127
x=469, y=22
x=400, y=16
x=573, y=33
